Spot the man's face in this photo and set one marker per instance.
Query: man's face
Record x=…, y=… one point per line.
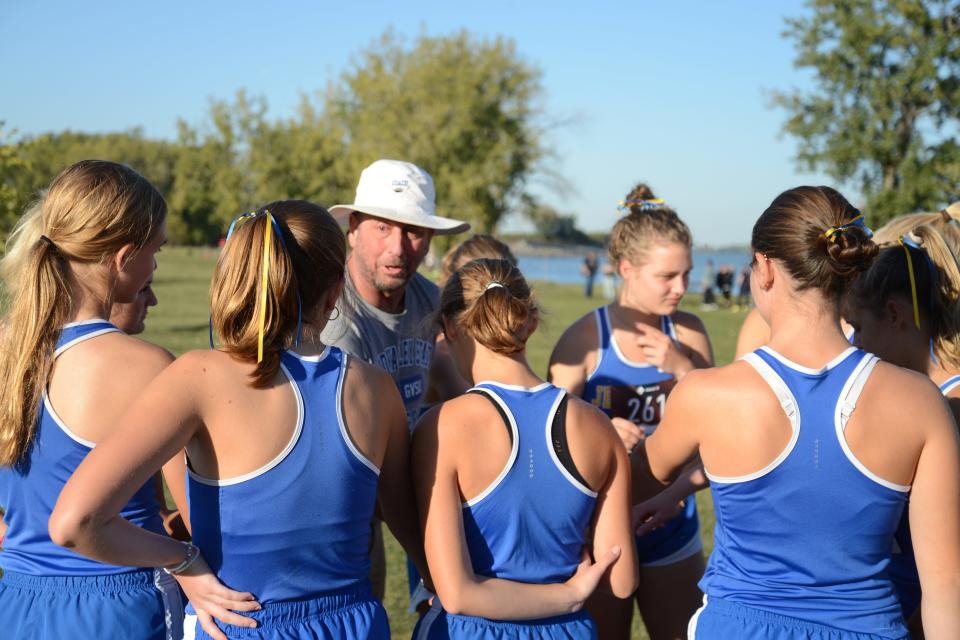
x=386, y=253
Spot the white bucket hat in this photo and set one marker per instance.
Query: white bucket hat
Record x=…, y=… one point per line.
x=398, y=191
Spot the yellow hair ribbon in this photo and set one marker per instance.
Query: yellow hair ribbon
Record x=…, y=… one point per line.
x=913, y=284
x=831, y=233
x=264, y=285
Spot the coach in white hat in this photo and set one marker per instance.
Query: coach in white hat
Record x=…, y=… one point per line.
x=385, y=301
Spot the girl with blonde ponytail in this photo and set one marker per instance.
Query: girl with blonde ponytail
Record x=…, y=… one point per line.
x=514, y=478
x=906, y=310
x=291, y=444
x=67, y=374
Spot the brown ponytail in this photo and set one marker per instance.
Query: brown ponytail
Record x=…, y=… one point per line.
x=308, y=260
x=491, y=302
x=90, y=211
x=806, y=229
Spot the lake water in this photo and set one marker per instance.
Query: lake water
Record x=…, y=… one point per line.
x=566, y=269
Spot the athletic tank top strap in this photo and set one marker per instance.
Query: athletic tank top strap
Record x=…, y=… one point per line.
x=77, y=332
x=29, y=490
x=668, y=326
x=531, y=521
x=949, y=384
x=299, y=526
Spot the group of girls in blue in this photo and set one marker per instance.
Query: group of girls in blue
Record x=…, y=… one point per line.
x=532, y=508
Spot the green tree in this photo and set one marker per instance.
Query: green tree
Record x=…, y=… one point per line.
x=554, y=226
x=465, y=109
x=12, y=165
x=886, y=104
x=213, y=181
x=38, y=159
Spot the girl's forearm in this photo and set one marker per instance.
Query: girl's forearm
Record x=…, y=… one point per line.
x=119, y=542
x=508, y=600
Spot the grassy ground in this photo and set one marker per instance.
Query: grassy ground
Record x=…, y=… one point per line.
x=179, y=324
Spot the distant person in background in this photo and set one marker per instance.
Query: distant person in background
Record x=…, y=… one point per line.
x=725, y=285
x=706, y=283
x=609, y=281
x=625, y=358
x=743, y=287
x=385, y=302
x=589, y=271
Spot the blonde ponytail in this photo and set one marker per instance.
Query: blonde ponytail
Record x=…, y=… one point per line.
x=306, y=260
x=91, y=210
x=945, y=306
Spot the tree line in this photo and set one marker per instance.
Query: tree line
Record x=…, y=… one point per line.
x=883, y=117
x=468, y=109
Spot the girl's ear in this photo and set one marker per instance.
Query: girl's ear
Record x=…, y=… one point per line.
x=625, y=268
x=122, y=256
x=766, y=274
x=449, y=329
x=897, y=315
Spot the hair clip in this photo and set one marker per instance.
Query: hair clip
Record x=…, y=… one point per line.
x=493, y=284
x=832, y=233
x=642, y=205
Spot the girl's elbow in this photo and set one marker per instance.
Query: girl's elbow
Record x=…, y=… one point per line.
x=67, y=528
x=452, y=599
x=625, y=586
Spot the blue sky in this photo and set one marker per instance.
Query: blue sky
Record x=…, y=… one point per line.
x=675, y=93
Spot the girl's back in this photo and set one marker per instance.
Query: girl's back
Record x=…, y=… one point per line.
x=97, y=373
x=806, y=532
x=531, y=521
x=300, y=510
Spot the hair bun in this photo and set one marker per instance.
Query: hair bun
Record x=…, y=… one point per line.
x=849, y=250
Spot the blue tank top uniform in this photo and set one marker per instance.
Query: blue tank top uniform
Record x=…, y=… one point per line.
x=638, y=392
x=48, y=591
x=530, y=524
x=296, y=532
x=802, y=546
x=903, y=567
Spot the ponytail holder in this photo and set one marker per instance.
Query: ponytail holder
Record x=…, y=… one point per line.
x=493, y=284
x=48, y=241
x=832, y=233
x=946, y=216
x=642, y=205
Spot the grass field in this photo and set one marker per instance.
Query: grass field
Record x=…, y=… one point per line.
x=179, y=324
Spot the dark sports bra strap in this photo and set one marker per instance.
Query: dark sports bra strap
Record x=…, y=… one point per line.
x=496, y=405
x=558, y=434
